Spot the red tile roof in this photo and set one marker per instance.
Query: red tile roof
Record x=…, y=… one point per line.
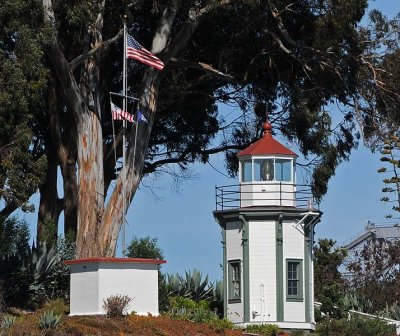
x=114, y=260
x=266, y=145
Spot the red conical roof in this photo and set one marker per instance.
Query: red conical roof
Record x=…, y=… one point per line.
x=266, y=145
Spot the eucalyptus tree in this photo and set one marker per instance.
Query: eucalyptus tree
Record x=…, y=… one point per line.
x=290, y=58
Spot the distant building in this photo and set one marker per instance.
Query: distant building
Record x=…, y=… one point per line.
x=383, y=233
x=267, y=223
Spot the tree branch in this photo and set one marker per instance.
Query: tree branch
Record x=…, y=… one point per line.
x=206, y=68
x=81, y=58
x=151, y=167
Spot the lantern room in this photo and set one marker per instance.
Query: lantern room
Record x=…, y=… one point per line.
x=267, y=173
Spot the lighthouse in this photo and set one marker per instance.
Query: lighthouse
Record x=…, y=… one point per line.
x=267, y=224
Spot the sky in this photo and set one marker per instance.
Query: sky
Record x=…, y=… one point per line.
x=183, y=223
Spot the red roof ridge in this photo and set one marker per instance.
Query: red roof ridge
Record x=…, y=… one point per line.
x=115, y=260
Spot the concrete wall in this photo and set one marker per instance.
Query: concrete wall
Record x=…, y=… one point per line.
x=84, y=289
x=92, y=282
x=138, y=281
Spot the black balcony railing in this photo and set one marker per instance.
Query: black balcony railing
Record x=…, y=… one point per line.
x=276, y=194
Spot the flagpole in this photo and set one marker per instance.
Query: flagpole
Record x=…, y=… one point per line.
x=124, y=145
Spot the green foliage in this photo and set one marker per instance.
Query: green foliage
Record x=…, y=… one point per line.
x=294, y=62
x=356, y=326
x=191, y=286
x=49, y=227
x=187, y=309
x=263, y=329
x=14, y=237
x=58, y=306
x=391, y=156
x=115, y=305
x=375, y=274
x=49, y=320
x=32, y=275
x=23, y=76
x=328, y=281
x=352, y=301
x=144, y=248
x=6, y=323
x=220, y=324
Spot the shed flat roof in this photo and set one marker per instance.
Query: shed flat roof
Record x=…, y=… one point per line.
x=115, y=261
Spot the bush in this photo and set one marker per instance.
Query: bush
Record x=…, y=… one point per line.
x=187, y=309
x=58, y=306
x=220, y=324
x=115, y=305
x=263, y=329
x=356, y=326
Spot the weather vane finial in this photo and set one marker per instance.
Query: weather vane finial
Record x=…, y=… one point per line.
x=267, y=127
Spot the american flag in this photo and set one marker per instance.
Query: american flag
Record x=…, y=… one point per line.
x=119, y=114
x=136, y=51
x=141, y=117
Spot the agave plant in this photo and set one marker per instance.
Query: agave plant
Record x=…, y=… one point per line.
x=49, y=320
x=35, y=276
x=191, y=286
x=6, y=323
x=354, y=302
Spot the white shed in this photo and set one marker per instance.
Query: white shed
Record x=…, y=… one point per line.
x=268, y=224
x=95, y=279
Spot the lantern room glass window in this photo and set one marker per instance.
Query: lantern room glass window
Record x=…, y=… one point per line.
x=283, y=170
x=264, y=170
x=268, y=169
x=246, y=171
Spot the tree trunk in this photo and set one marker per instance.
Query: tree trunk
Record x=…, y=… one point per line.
x=90, y=187
x=68, y=171
x=50, y=205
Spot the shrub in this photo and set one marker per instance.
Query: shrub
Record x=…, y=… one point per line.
x=187, y=309
x=49, y=320
x=115, y=305
x=219, y=324
x=58, y=306
x=263, y=329
x=356, y=326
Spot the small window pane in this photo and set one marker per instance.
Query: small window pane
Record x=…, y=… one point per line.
x=264, y=170
x=234, y=277
x=257, y=170
x=283, y=170
x=246, y=171
x=294, y=280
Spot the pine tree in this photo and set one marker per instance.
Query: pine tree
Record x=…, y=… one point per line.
x=391, y=156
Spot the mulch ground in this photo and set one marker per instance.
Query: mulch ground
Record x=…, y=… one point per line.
x=129, y=325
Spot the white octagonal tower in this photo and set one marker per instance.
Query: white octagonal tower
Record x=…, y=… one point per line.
x=267, y=224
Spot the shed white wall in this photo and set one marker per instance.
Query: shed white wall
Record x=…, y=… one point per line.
x=234, y=251
x=84, y=289
x=293, y=248
x=91, y=283
x=262, y=264
x=138, y=281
